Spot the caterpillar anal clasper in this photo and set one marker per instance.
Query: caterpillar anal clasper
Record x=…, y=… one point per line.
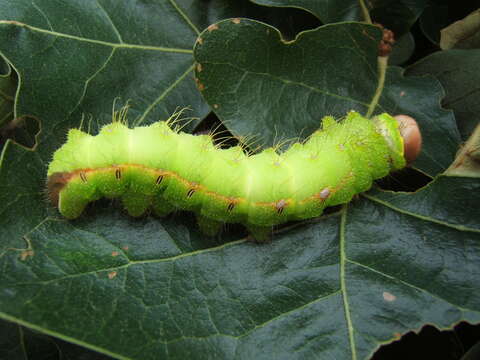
x=156, y=167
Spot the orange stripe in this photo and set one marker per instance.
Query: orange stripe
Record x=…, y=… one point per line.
x=57, y=181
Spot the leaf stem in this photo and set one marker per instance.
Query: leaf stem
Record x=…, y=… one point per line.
x=365, y=12
x=382, y=63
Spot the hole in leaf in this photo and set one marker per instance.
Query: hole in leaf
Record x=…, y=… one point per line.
x=408, y=180
x=22, y=130
x=431, y=343
x=221, y=135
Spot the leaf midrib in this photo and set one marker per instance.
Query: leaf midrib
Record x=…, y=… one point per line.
x=343, y=284
x=93, y=41
x=419, y=216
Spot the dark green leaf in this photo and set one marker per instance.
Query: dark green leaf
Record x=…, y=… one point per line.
x=338, y=282
x=457, y=70
x=397, y=16
x=402, y=50
x=463, y=34
x=335, y=287
x=96, y=56
x=425, y=203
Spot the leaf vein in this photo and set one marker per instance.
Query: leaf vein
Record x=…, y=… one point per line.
x=184, y=16
x=137, y=262
x=419, y=216
x=87, y=82
x=288, y=313
x=114, y=28
x=163, y=95
x=290, y=82
x=343, y=284
x=98, y=42
x=62, y=336
x=43, y=14
x=461, y=308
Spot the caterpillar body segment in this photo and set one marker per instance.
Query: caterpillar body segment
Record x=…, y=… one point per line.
x=159, y=168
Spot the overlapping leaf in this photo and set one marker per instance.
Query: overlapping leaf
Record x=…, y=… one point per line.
x=398, y=16
x=457, y=70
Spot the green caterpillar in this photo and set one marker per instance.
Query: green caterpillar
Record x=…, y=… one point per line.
x=164, y=169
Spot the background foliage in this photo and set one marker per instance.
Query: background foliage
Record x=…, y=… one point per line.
x=340, y=286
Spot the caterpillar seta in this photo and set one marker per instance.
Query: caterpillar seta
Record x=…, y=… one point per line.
x=165, y=169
